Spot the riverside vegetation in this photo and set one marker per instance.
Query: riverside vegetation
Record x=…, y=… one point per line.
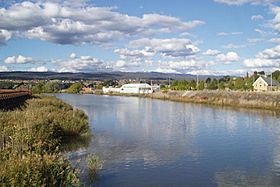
x=30, y=141
x=258, y=100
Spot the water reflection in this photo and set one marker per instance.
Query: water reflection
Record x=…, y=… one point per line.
x=147, y=142
x=76, y=143
x=243, y=179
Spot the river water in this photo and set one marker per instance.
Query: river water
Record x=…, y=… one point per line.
x=146, y=142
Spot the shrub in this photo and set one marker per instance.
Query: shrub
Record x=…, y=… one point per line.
x=94, y=163
x=29, y=143
x=38, y=170
x=75, y=88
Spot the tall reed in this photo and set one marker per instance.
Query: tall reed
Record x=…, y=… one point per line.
x=30, y=140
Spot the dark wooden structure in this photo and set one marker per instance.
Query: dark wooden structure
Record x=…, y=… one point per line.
x=13, y=98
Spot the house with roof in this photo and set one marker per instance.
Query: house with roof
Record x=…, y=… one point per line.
x=263, y=84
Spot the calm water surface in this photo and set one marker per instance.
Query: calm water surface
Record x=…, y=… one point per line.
x=146, y=142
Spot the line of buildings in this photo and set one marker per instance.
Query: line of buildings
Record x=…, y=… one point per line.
x=262, y=84
x=141, y=88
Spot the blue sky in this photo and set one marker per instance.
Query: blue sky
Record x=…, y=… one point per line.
x=197, y=37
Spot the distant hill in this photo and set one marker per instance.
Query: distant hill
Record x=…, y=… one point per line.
x=23, y=75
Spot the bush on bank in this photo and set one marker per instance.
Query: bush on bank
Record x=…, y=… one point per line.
x=29, y=143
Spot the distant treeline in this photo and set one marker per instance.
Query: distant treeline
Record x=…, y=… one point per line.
x=44, y=86
x=227, y=82
x=210, y=83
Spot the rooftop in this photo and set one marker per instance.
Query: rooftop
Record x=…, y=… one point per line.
x=268, y=81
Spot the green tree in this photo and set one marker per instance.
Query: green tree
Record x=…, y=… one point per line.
x=213, y=85
x=75, y=88
x=231, y=84
x=201, y=85
x=181, y=85
x=38, y=88
x=51, y=87
x=249, y=83
x=276, y=75
x=193, y=85
x=208, y=80
x=108, y=83
x=221, y=85
x=239, y=84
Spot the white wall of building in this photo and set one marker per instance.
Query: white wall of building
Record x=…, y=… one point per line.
x=132, y=88
x=136, y=88
x=110, y=89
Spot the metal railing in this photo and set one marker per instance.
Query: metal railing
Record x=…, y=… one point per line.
x=10, y=94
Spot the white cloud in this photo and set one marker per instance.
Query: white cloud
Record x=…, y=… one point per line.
x=260, y=63
x=255, y=40
x=120, y=64
x=4, y=36
x=72, y=55
x=257, y=17
x=83, y=23
x=229, y=33
x=22, y=16
x=211, y=52
x=127, y=53
x=3, y=68
x=18, y=60
x=241, y=2
x=150, y=49
x=232, y=2
x=168, y=21
x=272, y=53
x=183, y=65
x=276, y=20
x=228, y=57
x=238, y=72
x=173, y=47
x=261, y=32
x=166, y=70
x=268, y=58
x=185, y=34
x=275, y=40
x=81, y=64
x=39, y=69
x=233, y=46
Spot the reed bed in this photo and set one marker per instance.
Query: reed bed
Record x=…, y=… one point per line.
x=30, y=141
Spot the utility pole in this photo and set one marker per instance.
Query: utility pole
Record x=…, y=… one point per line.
x=196, y=81
x=169, y=82
x=271, y=81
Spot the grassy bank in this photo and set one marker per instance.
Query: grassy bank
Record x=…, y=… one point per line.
x=264, y=100
x=30, y=141
x=242, y=99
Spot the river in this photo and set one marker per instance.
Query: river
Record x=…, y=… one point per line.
x=146, y=142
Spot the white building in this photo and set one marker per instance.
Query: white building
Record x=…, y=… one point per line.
x=141, y=88
x=110, y=89
x=266, y=84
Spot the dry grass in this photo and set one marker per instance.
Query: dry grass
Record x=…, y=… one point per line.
x=264, y=100
x=30, y=139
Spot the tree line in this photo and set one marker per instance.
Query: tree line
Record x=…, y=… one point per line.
x=226, y=82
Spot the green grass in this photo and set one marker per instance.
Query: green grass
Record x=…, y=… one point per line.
x=94, y=164
x=30, y=141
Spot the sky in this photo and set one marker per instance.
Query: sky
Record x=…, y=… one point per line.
x=200, y=37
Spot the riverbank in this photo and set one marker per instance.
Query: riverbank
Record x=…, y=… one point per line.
x=30, y=142
x=257, y=100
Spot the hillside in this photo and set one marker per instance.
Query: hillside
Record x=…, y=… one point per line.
x=22, y=75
